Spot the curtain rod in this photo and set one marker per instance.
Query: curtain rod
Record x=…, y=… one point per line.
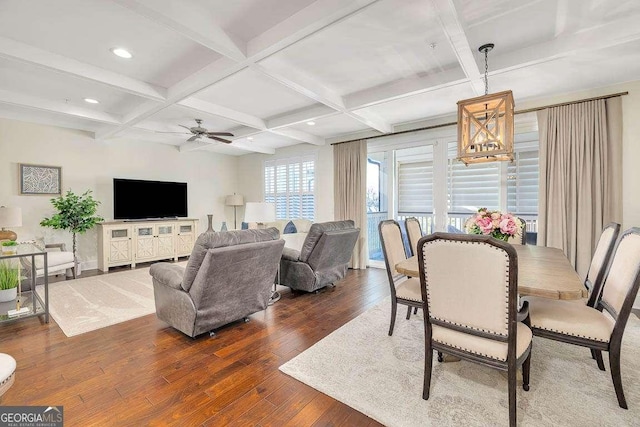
x=528, y=110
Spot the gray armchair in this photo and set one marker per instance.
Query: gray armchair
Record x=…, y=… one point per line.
x=323, y=259
x=229, y=276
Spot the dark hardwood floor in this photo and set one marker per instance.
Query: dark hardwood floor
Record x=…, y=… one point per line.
x=143, y=372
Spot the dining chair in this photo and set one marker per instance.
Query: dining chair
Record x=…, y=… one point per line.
x=469, y=283
x=414, y=231
x=404, y=290
x=7, y=373
x=590, y=327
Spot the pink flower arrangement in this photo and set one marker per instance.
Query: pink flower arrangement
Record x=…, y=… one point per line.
x=494, y=223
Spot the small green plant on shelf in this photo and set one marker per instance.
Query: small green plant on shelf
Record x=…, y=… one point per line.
x=9, y=275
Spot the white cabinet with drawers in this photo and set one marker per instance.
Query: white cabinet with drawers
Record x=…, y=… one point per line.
x=127, y=243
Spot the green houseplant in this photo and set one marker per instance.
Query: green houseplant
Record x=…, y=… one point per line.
x=76, y=214
x=9, y=280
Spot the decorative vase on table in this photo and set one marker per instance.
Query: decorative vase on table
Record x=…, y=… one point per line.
x=501, y=226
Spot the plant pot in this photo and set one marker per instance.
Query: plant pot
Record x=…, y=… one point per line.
x=8, y=294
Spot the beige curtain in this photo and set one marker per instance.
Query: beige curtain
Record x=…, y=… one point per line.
x=349, y=192
x=580, y=176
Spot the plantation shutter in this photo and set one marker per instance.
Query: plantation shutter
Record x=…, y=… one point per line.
x=290, y=184
x=415, y=188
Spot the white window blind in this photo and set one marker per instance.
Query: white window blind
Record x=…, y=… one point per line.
x=290, y=184
x=415, y=188
x=472, y=187
x=522, y=183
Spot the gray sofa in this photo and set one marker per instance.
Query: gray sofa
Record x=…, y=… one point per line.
x=229, y=276
x=323, y=259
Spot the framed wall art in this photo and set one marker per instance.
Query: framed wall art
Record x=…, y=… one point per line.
x=39, y=179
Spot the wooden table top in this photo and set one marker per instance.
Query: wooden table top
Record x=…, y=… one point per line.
x=542, y=272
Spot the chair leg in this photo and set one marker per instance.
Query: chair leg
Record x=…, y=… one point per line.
x=512, y=397
x=593, y=354
x=598, y=354
x=614, y=364
x=394, y=308
x=428, y=363
x=440, y=357
x=408, y=312
x=526, y=370
x=415, y=310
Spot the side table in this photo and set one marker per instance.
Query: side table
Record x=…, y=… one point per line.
x=29, y=299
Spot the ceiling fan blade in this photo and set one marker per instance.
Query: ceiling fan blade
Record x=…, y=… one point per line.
x=193, y=138
x=219, y=133
x=183, y=133
x=226, y=141
x=189, y=129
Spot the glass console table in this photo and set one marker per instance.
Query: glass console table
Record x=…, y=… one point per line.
x=35, y=305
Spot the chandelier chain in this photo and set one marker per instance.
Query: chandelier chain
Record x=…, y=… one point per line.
x=486, y=71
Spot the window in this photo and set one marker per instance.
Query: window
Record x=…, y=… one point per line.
x=522, y=183
x=290, y=184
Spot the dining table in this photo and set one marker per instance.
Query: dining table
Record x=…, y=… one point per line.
x=542, y=272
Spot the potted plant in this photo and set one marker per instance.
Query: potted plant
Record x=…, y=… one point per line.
x=9, y=247
x=76, y=214
x=9, y=279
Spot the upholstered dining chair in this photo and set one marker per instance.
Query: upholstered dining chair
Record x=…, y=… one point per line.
x=590, y=327
x=404, y=290
x=469, y=283
x=7, y=373
x=414, y=232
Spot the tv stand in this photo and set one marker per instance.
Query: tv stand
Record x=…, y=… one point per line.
x=134, y=241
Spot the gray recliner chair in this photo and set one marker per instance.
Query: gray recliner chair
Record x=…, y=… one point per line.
x=323, y=259
x=229, y=276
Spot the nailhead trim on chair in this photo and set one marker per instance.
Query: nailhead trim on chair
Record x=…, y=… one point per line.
x=506, y=321
x=471, y=351
x=567, y=333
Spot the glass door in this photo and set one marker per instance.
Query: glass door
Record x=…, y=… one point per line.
x=377, y=204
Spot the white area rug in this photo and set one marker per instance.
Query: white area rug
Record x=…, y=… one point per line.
x=91, y=303
x=381, y=376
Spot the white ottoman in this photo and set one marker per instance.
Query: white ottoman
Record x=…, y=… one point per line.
x=7, y=372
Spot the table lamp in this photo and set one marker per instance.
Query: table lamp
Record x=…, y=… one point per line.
x=9, y=217
x=234, y=200
x=260, y=212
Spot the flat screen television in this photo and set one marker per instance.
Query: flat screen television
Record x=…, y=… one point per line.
x=138, y=199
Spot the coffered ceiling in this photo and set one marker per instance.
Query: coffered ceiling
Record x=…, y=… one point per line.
x=283, y=72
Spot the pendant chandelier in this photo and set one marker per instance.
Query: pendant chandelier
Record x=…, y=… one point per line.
x=485, y=123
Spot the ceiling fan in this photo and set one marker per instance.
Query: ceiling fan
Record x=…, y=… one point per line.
x=198, y=132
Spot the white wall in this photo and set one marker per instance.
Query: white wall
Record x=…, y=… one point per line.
x=251, y=181
x=88, y=164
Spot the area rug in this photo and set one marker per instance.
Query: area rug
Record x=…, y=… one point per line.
x=381, y=376
x=91, y=303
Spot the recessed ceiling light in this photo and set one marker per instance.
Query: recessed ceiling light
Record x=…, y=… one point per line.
x=122, y=53
x=91, y=101
x=250, y=138
x=311, y=123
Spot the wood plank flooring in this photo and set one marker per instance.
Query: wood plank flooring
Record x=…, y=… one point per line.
x=143, y=372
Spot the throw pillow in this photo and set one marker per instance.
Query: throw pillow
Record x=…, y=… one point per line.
x=290, y=228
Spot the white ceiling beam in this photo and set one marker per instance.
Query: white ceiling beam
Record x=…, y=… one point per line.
x=301, y=83
x=403, y=88
x=24, y=53
x=303, y=115
x=317, y=16
x=224, y=112
x=199, y=145
x=452, y=26
x=189, y=20
x=299, y=136
x=313, y=18
x=33, y=102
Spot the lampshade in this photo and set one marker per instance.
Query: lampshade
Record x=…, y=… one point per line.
x=10, y=217
x=259, y=212
x=234, y=200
